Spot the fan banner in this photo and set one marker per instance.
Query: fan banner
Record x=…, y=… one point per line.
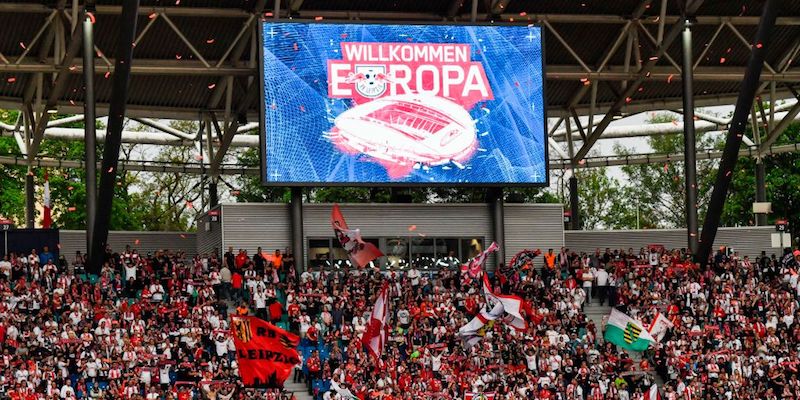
x=266, y=354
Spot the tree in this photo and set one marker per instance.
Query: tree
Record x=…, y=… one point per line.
x=661, y=188
x=12, y=195
x=603, y=201
x=782, y=182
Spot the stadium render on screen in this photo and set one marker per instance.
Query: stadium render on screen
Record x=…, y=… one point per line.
x=394, y=104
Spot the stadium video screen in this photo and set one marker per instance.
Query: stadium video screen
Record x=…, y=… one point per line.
x=402, y=104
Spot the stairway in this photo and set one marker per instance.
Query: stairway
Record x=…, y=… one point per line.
x=596, y=313
x=299, y=389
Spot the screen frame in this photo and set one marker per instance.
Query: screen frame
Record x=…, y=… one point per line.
x=262, y=134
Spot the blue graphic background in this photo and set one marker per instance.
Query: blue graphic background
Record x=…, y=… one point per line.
x=298, y=113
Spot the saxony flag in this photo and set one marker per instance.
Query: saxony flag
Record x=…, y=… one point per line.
x=627, y=332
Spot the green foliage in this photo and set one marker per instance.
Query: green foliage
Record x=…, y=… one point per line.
x=660, y=187
x=604, y=202
x=782, y=183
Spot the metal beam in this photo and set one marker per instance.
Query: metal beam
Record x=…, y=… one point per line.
x=58, y=89
x=236, y=169
x=89, y=134
x=119, y=98
x=777, y=130
x=643, y=74
x=689, y=143
x=231, y=128
x=730, y=154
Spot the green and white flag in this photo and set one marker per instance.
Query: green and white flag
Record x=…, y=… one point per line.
x=627, y=332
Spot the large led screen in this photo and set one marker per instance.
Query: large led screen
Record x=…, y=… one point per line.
x=403, y=104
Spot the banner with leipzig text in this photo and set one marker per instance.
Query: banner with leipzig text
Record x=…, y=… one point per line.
x=265, y=353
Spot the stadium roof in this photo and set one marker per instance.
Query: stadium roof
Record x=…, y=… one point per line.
x=197, y=60
x=186, y=50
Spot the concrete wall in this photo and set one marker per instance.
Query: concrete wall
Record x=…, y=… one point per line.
x=250, y=225
x=748, y=241
x=149, y=242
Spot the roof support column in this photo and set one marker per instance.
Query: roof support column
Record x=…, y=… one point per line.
x=90, y=136
x=730, y=154
x=690, y=162
x=113, y=140
x=297, y=230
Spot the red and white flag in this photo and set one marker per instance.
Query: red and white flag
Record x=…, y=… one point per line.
x=660, y=326
x=474, y=268
x=359, y=251
x=652, y=394
x=478, y=396
x=374, y=338
x=512, y=306
x=48, y=218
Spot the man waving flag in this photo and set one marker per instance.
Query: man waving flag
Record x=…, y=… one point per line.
x=627, y=332
x=374, y=338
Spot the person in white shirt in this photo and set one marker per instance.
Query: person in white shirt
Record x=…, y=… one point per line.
x=5, y=267
x=601, y=280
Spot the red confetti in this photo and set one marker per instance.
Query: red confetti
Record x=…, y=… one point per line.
x=183, y=236
x=581, y=162
x=729, y=50
x=99, y=53
x=152, y=15
x=641, y=89
x=71, y=209
x=728, y=173
x=58, y=245
x=516, y=84
x=511, y=20
x=70, y=188
x=22, y=45
x=136, y=241
x=666, y=167
x=210, y=41
x=198, y=157
x=213, y=85
x=110, y=170
x=302, y=108
x=343, y=36
x=412, y=228
x=759, y=45
x=317, y=18
x=669, y=78
x=107, y=74
x=653, y=58
x=91, y=17
x=628, y=99
x=73, y=67
x=235, y=192
x=722, y=60
x=178, y=56
x=189, y=204
x=674, y=122
x=177, y=2
x=11, y=80
x=295, y=47
x=72, y=102
x=522, y=14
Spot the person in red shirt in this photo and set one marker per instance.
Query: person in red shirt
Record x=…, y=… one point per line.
x=236, y=283
x=314, y=366
x=275, y=311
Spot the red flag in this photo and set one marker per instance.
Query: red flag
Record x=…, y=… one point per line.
x=474, y=268
x=360, y=252
x=652, y=394
x=48, y=219
x=374, y=337
x=266, y=354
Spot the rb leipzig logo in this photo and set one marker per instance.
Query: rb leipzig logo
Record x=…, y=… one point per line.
x=373, y=83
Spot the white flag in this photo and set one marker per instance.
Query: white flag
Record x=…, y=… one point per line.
x=659, y=327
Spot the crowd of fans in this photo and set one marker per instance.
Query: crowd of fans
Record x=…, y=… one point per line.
x=155, y=326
